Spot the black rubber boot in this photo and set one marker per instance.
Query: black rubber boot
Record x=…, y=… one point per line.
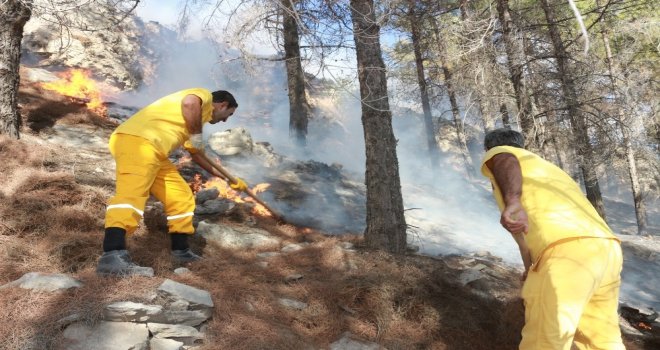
x=185, y=256
x=119, y=263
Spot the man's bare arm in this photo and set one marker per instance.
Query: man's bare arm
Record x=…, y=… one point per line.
x=191, y=108
x=508, y=176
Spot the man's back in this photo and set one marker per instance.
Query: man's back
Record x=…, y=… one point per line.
x=162, y=121
x=555, y=205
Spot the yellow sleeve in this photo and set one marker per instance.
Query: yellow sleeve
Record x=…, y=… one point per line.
x=189, y=147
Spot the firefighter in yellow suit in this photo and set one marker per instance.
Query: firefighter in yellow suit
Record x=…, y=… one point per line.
x=572, y=259
x=140, y=147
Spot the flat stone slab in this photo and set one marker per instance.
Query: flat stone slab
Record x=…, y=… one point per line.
x=186, y=334
x=44, y=282
x=237, y=239
x=106, y=336
x=292, y=304
x=165, y=344
x=349, y=342
x=190, y=294
x=128, y=311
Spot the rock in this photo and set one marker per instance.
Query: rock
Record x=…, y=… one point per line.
x=67, y=320
x=293, y=278
x=346, y=245
x=183, y=317
x=293, y=247
x=198, y=299
x=469, y=275
x=215, y=206
x=231, y=142
x=349, y=342
x=40, y=75
x=206, y=194
x=127, y=311
x=292, y=304
x=628, y=329
x=106, y=336
x=181, y=271
x=230, y=238
x=165, y=344
x=44, y=282
x=186, y=334
x=266, y=255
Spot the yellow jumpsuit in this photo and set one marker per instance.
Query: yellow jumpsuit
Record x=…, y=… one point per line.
x=572, y=289
x=140, y=147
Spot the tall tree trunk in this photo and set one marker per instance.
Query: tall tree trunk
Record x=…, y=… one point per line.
x=504, y=114
x=386, y=224
x=455, y=112
x=638, y=198
x=515, y=62
x=299, y=110
x=578, y=123
x=415, y=25
x=13, y=16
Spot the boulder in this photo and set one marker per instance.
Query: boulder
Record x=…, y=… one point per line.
x=106, y=336
x=236, y=141
x=227, y=237
x=45, y=282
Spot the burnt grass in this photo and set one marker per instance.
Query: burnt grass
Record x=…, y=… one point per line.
x=51, y=220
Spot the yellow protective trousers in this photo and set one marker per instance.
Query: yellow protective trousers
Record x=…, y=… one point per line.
x=572, y=297
x=141, y=170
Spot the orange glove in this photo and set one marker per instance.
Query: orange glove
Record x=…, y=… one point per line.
x=239, y=185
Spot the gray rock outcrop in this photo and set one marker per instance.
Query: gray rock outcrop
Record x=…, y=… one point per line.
x=44, y=282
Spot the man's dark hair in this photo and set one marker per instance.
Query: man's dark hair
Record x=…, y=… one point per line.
x=503, y=137
x=224, y=96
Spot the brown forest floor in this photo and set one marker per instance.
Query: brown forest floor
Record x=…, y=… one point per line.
x=51, y=220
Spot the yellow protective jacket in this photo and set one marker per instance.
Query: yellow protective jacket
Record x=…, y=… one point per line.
x=162, y=121
x=556, y=207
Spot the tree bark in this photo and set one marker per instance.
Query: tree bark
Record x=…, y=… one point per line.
x=515, y=62
x=458, y=123
x=638, y=198
x=415, y=31
x=386, y=225
x=578, y=123
x=13, y=16
x=299, y=109
x=504, y=114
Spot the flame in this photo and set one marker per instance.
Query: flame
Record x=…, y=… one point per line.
x=227, y=192
x=196, y=183
x=77, y=83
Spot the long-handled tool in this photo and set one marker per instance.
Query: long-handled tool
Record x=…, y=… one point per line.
x=249, y=192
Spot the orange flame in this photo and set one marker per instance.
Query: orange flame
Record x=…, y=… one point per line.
x=227, y=192
x=77, y=83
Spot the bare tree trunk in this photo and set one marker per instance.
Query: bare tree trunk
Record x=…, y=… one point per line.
x=415, y=25
x=638, y=198
x=515, y=62
x=504, y=114
x=578, y=123
x=458, y=123
x=299, y=110
x=13, y=16
x=386, y=224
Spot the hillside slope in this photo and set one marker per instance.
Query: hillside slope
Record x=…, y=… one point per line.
x=52, y=197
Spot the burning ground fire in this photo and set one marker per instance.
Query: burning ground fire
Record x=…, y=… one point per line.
x=76, y=83
x=197, y=184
